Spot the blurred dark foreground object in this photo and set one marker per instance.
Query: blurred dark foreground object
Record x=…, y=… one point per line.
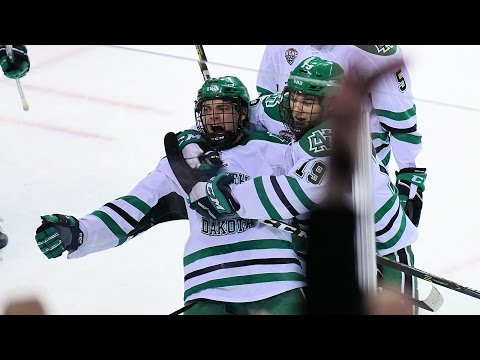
x=331, y=268
x=331, y=276
x=26, y=306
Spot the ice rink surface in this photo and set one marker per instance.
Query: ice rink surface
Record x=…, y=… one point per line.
x=95, y=127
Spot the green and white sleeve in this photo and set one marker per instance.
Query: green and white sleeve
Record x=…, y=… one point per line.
x=286, y=196
x=396, y=112
x=393, y=229
x=154, y=199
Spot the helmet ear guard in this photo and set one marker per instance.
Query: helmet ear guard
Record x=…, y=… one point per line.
x=232, y=92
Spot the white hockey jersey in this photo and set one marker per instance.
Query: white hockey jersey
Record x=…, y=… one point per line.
x=230, y=259
x=305, y=184
x=393, y=120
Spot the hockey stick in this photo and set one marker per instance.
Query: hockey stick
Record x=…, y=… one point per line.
x=9, y=50
x=432, y=302
x=185, y=308
x=202, y=62
x=409, y=270
x=428, y=277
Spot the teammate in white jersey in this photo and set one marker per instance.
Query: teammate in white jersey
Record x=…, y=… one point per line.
x=14, y=70
x=232, y=265
x=393, y=119
x=301, y=106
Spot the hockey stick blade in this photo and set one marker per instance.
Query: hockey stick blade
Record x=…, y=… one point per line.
x=433, y=302
x=186, y=176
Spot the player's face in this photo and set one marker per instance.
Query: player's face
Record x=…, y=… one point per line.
x=219, y=115
x=306, y=109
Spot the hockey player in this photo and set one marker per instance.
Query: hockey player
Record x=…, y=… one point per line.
x=393, y=119
x=301, y=106
x=232, y=265
x=13, y=70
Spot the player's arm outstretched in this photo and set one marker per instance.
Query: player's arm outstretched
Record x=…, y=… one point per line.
x=155, y=199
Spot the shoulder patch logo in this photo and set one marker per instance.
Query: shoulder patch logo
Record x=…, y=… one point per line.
x=290, y=55
x=320, y=140
x=380, y=50
x=383, y=49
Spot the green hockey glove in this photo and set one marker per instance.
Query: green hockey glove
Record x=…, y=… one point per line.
x=213, y=199
x=20, y=65
x=57, y=234
x=411, y=185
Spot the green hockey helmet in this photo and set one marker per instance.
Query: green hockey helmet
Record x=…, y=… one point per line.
x=317, y=77
x=306, y=95
x=221, y=110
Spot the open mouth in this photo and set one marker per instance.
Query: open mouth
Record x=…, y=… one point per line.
x=299, y=120
x=217, y=128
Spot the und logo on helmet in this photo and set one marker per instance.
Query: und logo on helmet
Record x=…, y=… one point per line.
x=290, y=55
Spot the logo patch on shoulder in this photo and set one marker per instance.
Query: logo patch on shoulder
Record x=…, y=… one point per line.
x=290, y=55
x=381, y=50
x=320, y=140
x=384, y=48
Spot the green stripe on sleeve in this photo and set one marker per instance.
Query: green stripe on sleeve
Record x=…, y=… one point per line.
x=112, y=225
x=409, y=138
x=382, y=136
x=385, y=208
x=262, y=195
x=136, y=202
x=297, y=189
x=390, y=243
x=399, y=116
